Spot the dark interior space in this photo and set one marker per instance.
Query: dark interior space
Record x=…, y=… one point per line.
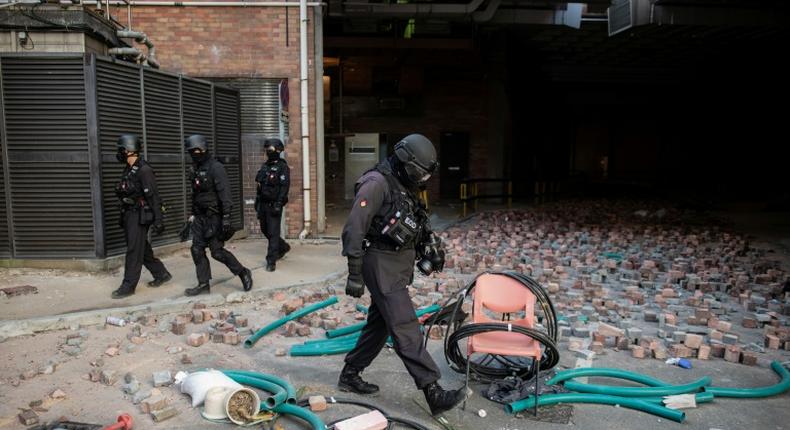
x=691, y=112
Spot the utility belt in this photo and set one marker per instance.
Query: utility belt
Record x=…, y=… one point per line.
x=140, y=206
x=385, y=245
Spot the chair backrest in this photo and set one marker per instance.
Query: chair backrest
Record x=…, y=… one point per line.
x=502, y=294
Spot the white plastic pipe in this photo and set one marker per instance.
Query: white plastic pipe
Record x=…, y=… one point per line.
x=305, y=116
x=318, y=52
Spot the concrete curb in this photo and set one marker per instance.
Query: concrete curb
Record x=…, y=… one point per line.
x=14, y=328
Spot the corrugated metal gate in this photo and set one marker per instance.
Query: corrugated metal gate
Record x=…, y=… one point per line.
x=260, y=105
x=61, y=116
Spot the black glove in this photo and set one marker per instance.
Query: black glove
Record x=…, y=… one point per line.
x=158, y=228
x=277, y=208
x=121, y=224
x=227, y=228
x=355, y=286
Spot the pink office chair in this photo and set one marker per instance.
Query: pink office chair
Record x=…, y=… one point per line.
x=503, y=295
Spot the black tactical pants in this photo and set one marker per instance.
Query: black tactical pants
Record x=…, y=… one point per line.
x=270, y=227
x=206, y=230
x=138, y=251
x=387, y=275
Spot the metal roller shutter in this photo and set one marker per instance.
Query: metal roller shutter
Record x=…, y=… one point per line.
x=46, y=132
x=260, y=101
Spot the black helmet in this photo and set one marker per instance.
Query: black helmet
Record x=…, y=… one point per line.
x=274, y=142
x=196, y=141
x=128, y=143
x=417, y=157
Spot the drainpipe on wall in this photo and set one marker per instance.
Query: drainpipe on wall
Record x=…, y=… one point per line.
x=318, y=32
x=305, y=116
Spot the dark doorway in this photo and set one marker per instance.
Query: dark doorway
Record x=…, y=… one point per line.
x=453, y=163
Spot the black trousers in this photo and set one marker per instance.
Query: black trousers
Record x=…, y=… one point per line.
x=270, y=227
x=205, y=232
x=138, y=252
x=387, y=275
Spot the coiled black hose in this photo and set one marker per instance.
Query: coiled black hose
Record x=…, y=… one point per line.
x=457, y=331
x=549, y=359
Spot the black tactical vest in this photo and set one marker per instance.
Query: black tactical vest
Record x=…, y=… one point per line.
x=397, y=224
x=130, y=189
x=272, y=178
x=203, y=191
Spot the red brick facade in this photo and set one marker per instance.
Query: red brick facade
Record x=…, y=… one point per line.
x=237, y=42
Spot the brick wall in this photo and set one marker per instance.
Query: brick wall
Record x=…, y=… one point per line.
x=235, y=42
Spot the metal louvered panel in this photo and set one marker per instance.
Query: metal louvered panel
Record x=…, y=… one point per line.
x=165, y=150
x=198, y=118
x=45, y=104
x=260, y=101
x=119, y=106
x=61, y=118
x=52, y=211
x=228, y=138
x=46, y=138
x=119, y=110
x=5, y=242
x=115, y=242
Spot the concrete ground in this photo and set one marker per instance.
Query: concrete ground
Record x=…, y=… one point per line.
x=317, y=268
x=93, y=402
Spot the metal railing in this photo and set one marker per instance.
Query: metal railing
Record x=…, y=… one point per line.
x=472, y=185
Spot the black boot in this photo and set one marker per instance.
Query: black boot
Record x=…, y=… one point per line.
x=271, y=267
x=284, y=251
x=157, y=282
x=246, y=279
x=122, y=291
x=351, y=381
x=194, y=291
x=441, y=400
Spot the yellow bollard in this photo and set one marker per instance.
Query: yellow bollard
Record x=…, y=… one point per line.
x=463, y=199
x=424, y=197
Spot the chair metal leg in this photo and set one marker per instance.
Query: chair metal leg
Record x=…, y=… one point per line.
x=537, y=384
x=466, y=386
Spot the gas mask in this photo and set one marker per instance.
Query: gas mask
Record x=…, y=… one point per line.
x=431, y=255
x=121, y=156
x=271, y=153
x=198, y=157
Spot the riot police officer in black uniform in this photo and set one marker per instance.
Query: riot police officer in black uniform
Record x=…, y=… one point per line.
x=385, y=232
x=274, y=179
x=211, y=210
x=141, y=208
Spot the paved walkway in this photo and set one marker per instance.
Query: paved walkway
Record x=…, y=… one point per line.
x=63, y=292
